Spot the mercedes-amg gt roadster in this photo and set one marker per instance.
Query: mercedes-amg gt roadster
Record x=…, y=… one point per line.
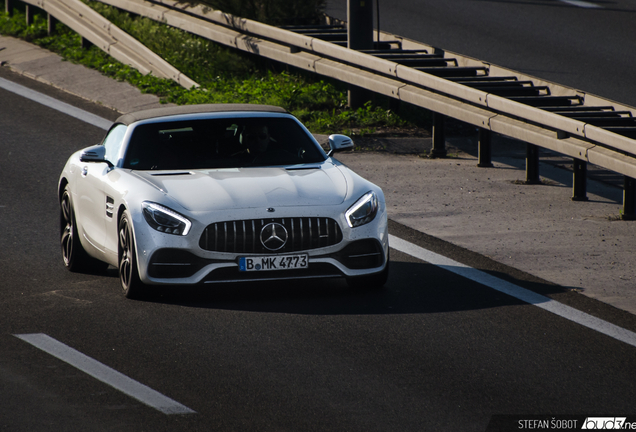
x=205, y=194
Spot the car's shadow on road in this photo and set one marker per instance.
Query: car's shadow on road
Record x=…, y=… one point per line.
x=413, y=287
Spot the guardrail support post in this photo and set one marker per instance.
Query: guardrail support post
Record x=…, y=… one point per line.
x=629, y=199
x=360, y=24
x=532, y=164
x=484, y=150
x=29, y=12
x=579, y=181
x=439, y=139
x=359, y=37
x=86, y=43
x=51, y=22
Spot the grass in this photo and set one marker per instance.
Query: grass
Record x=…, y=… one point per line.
x=225, y=75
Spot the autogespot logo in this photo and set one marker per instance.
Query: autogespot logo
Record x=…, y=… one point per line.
x=606, y=423
x=273, y=236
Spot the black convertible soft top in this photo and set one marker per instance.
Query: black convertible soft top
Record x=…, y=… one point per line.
x=194, y=109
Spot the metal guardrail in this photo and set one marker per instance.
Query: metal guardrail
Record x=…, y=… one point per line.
x=568, y=121
x=477, y=103
x=111, y=39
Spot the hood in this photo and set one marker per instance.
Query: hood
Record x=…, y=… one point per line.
x=222, y=189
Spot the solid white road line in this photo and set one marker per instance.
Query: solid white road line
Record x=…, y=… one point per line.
x=582, y=4
x=513, y=290
x=105, y=374
x=55, y=104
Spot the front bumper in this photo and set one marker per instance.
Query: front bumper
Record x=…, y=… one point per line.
x=165, y=259
x=178, y=266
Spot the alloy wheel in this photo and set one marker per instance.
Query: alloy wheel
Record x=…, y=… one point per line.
x=126, y=254
x=67, y=238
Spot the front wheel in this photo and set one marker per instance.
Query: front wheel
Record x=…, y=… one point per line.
x=128, y=270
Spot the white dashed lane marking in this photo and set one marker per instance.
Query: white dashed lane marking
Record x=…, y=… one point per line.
x=105, y=374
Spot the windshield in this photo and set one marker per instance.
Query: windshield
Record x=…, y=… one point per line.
x=220, y=143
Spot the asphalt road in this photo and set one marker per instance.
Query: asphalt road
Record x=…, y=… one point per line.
x=587, y=45
x=433, y=351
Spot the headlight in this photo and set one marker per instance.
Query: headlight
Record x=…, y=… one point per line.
x=165, y=220
x=363, y=211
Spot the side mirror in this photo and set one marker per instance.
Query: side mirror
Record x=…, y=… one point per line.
x=339, y=142
x=95, y=154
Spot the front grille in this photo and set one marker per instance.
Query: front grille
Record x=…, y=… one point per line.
x=303, y=233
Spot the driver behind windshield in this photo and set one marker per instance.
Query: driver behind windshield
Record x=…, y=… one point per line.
x=262, y=148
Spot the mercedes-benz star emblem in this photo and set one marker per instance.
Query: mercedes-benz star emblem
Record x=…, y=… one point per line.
x=273, y=236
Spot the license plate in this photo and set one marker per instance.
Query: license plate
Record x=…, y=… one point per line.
x=273, y=262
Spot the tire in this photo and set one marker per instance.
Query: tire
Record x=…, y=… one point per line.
x=370, y=283
x=128, y=269
x=73, y=254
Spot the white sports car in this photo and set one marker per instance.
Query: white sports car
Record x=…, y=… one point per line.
x=204, y=194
